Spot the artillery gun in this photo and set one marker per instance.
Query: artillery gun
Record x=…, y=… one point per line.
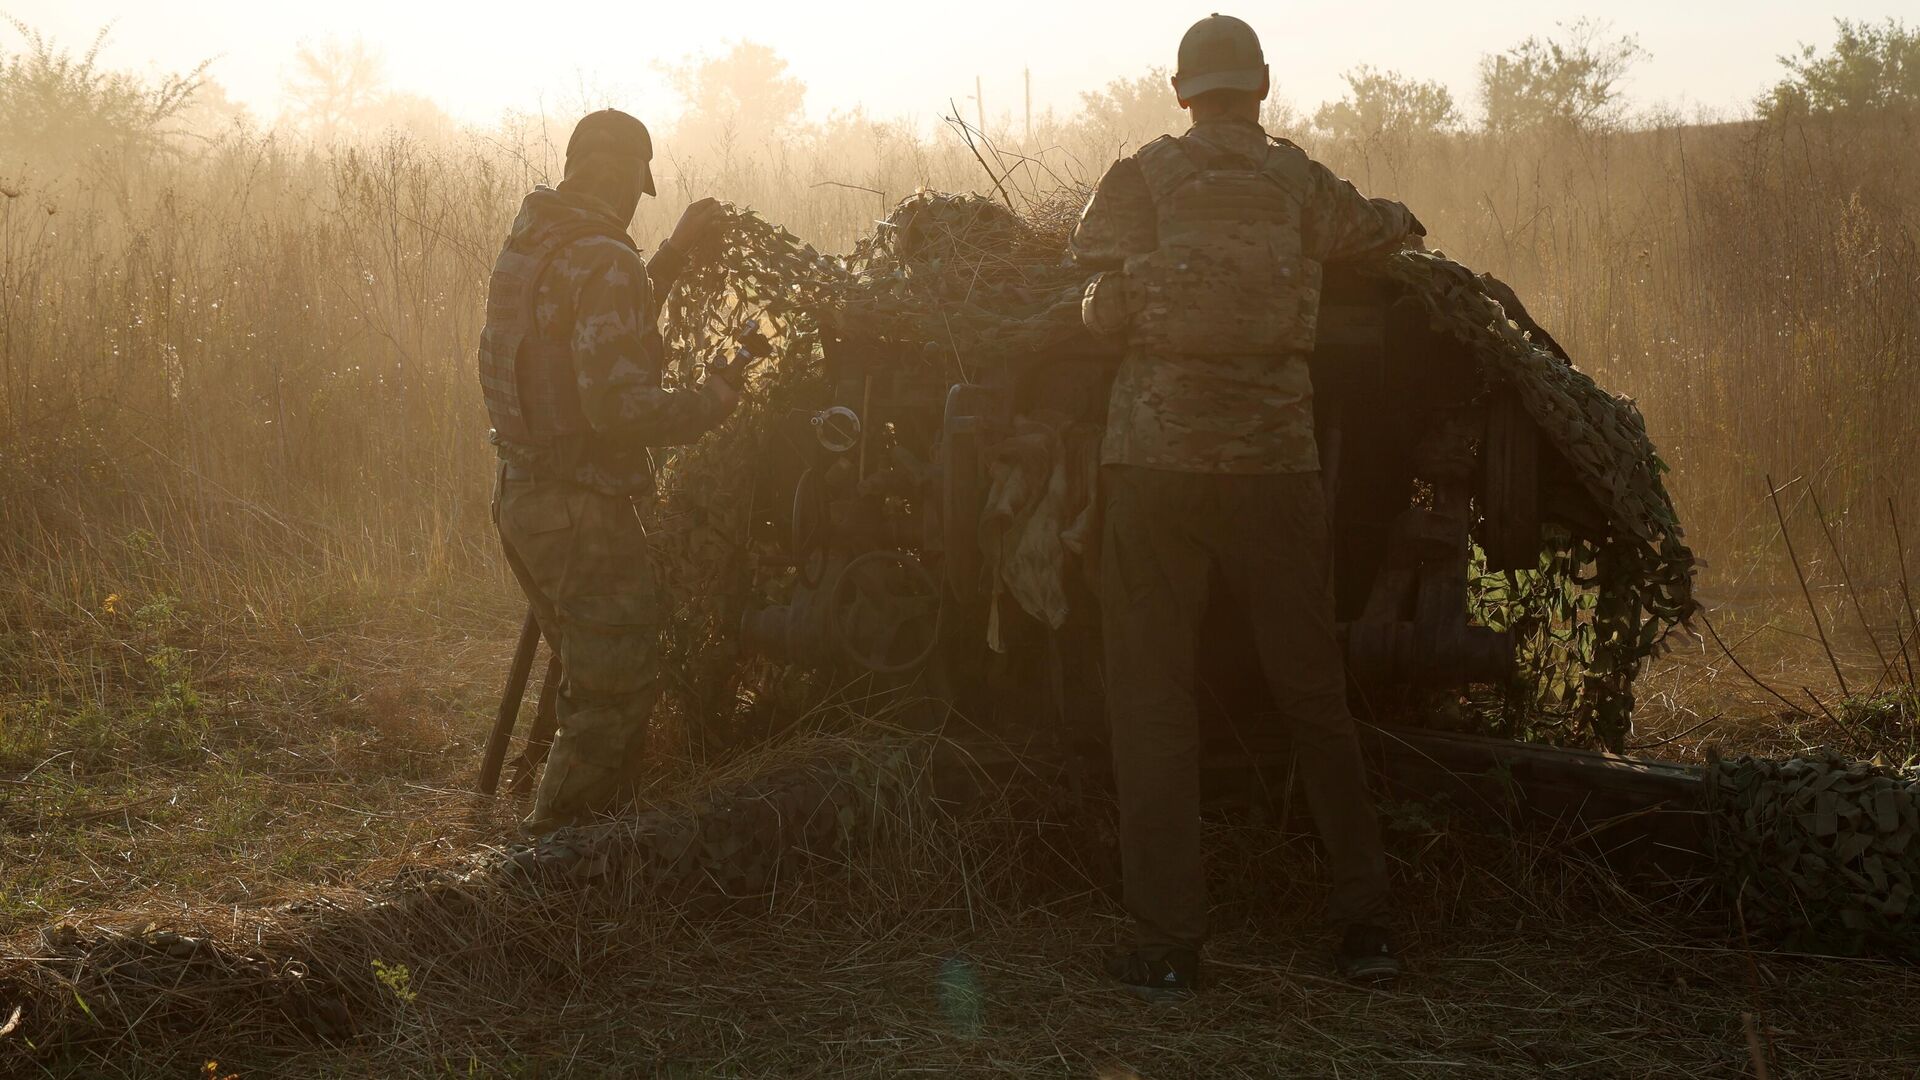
x=920, y=512
x=884, y=514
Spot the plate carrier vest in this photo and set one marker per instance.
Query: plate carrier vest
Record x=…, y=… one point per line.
x=528, y=381
x=1228, y=276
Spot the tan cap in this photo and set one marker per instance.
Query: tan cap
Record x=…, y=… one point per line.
x=1220, y=53
x=611, y=131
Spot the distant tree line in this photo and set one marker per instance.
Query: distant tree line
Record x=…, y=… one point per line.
x=67, y=104
x=1574, y=80
x=1872, y=67
x=1570, y=81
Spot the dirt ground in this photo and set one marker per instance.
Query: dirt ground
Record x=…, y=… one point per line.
x=1525, y=961
x=1495, y=993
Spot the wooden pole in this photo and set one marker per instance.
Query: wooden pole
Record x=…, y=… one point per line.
x=502, y=734
x=980, y=104
x=1027, y=74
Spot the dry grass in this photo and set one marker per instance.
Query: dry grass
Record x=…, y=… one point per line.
x=1697, y=698
x=788, y=996
x=252, y=617
x=265, y=348
x=963, y=947
x=174, y=755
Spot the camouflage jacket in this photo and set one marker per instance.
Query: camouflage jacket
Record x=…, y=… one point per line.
x=599, y=297
x=1226, y=413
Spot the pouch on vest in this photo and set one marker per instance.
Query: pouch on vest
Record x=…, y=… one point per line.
x=1109, y=304
x=1226, y=299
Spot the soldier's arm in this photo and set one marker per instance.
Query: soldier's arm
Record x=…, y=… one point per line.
x=1340, y=223
x=617, y=356
x=665, y=268
x=1118, y=220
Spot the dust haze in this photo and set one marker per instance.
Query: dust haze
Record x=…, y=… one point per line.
x=253, y=613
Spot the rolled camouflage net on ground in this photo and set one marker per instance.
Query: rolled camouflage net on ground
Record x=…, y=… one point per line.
x=1821, y=850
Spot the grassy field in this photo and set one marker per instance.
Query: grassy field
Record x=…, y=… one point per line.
x=252, y=616
x=969, y=948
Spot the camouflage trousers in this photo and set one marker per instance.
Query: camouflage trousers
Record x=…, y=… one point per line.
x=1164, y=534
x=581, y=556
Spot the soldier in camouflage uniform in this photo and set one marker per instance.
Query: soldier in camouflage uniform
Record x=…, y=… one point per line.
x=1212, y=245
x=570, y=368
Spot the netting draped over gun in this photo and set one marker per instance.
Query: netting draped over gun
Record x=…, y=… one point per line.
x=750, y=346
x=1585, y=574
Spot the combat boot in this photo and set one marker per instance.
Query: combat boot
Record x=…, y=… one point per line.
x=1156, y=975
x=1367, y=956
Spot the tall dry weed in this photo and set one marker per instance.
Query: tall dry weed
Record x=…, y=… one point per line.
x=259, y=351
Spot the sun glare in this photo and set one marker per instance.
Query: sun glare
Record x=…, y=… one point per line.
x=480, y=61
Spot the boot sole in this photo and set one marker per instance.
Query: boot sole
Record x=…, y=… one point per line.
x=1155, y=995
x=1374, y=973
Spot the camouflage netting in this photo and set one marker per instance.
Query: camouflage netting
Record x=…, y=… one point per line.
x=1598, y=606
x=1821, y=851
x=959, y=282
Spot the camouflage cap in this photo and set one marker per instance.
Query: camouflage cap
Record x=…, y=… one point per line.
x=1220, y=53
x=611, y=131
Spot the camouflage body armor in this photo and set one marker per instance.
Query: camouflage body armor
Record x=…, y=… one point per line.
x=1228, y=277
x=1221, y=233
x=528, y=380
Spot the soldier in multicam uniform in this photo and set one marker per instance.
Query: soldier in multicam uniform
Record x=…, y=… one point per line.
x=1212, y=245
x=570, y=367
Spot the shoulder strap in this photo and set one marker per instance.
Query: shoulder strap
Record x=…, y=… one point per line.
x=1166, y=164
x=1283, y=162
x=546, y=242
x=543, y=246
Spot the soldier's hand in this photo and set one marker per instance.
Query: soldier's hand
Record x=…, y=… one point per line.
x=700, y=227
x=720, y=391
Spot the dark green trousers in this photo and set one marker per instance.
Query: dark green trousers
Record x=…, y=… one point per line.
x=1268, y=535
x=581, y=557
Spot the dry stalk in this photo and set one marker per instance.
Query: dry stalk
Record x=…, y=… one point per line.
x=1813, y=610
x=1846, y=578
x=1906, y=590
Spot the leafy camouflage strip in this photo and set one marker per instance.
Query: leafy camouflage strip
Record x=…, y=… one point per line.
x=313, y=967
x=1602, y=435
x=959, y=274
x=968, y=276
x=1642, y=574
x=1821, y=850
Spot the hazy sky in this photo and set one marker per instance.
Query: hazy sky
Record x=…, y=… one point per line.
x=481, y=58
